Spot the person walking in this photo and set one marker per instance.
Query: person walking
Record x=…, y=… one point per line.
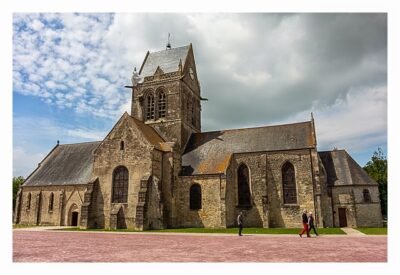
x=311, y=224
x=305, y=224
x=240, y=222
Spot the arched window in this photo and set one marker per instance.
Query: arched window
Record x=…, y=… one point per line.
x=366, y=196
x=289, y=184
x=120, y=185
x=122, y=145
x=195, y=196
x=51, y=201
x=28, y=201
x=150, y=108
x=162, y=105
x=243, y=186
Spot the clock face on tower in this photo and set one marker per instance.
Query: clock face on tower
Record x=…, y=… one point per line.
x=191, y=73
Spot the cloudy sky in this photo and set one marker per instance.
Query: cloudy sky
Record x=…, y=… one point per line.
x=69, y=72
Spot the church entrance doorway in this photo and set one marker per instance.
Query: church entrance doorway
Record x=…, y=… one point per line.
x=342, y=217
x=74, y=219
x=73, y=215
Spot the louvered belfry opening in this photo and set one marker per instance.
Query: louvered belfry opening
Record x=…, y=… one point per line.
x=150, y=108
x=161, y=104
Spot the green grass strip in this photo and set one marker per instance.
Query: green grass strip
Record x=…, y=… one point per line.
x=373, y=230
x=248, y=230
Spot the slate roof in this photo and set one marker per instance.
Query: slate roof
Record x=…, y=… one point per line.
x=168, y=60
x=342, y=169
x=66, y=164
x=210, y=152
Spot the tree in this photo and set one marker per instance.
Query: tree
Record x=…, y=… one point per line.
x=17, y=181
x=377, y=169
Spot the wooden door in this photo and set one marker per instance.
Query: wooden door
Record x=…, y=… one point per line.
x=342, y=217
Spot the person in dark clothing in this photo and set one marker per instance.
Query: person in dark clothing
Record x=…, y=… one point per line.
x=305, y=224
x=311, y=224
x=240, y=222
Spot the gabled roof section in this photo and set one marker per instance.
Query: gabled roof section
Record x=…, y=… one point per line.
x=342, y=169
x=67, y=164
x=167, y=60
x=150, y=134
x=210, y=152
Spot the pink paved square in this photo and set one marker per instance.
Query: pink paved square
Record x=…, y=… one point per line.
x=62, y=246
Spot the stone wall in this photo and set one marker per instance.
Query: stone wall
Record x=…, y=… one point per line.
x=65, y=198
x=289, y=215
x=136, y=157
x=210, y=214
x=220, y=195
x=343, y=197
x=167, y=186
x=325, y=199
x=359, y=213
x=256, y=215
x=154, y=218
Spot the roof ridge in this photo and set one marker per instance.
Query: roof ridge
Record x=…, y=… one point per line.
x=79, y=143
x=148, y=126
x=257, y=127
x=336, y=150
x=171, y=49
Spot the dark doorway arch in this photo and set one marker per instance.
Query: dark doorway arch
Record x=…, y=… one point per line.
x=73, y=215
x=74, y=218
x=195, y=197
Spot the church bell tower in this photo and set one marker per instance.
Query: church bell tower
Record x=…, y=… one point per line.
x=167, y=94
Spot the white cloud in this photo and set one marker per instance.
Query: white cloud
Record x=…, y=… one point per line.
x=86, y=134
x=66, y=54
x=25, y=162
x=37, y=25
x=357, y=121
x=256, y=79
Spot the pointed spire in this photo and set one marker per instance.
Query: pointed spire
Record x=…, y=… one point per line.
x=180, y=65
x=169, y=43
x=313, y=129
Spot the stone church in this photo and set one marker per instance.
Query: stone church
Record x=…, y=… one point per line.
x=156, y=169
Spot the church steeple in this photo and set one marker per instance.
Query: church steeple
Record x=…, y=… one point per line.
x=168, y=96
